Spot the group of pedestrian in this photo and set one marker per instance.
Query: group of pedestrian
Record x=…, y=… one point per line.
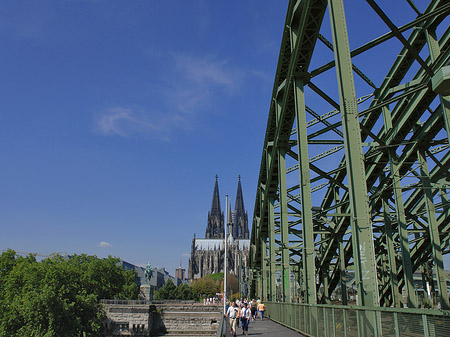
x=243, y=312
x=210, y=300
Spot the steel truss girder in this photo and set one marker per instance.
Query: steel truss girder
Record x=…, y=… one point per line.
x=317, y=240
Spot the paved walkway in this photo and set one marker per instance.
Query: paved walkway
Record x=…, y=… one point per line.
x=266, y=327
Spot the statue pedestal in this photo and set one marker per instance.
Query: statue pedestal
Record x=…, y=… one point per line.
x=146, y=292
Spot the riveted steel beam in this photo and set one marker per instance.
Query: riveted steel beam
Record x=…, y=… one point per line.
x=364, y=215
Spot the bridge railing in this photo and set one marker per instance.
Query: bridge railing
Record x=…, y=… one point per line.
x=348, y=321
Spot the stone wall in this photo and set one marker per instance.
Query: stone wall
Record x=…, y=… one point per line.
x=127, y=319
x=164, y=319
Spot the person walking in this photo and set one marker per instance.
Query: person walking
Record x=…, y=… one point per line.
x=253, y=309
x=261, y=309
x=245, y=315
x=232, y=314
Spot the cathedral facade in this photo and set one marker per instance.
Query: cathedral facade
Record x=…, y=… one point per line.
x=208, y=253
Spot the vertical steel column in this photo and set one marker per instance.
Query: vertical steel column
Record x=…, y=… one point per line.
x=433, y=46
x=257, y=291
x=342, y=271
x=272, y=251
x=251, y=277
x=284, y=225
x=390, y=252
x=362, y=237
x=341, y=252
x=264, y=269
x=445, y=211
x=401, y=217
x=433, y=231
x=326, y=277
x=309, y=270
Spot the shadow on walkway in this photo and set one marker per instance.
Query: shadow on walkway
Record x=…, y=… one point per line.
x=266, y=327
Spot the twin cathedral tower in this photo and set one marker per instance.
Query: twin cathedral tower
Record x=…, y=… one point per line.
x=207, y=254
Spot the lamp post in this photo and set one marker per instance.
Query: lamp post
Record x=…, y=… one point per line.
x=225, y=254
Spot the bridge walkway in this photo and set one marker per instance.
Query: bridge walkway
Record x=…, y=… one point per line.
x=266, y=328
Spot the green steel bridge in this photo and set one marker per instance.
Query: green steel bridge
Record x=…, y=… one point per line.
x=351, y=222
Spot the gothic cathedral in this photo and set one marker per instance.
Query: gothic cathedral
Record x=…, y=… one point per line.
x=207, y=254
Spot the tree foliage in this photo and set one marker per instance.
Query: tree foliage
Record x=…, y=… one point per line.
x=206, y=286
x=185, y=292
x=232, y=284
x=58, y=296
x=167, y=292
x=210, y=285
x=171, y=292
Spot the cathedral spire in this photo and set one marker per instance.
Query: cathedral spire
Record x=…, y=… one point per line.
x=239, y=208
x=229, y=217
x=215, y=227
x=215, y=206
x=240, y=214
x=230, y=228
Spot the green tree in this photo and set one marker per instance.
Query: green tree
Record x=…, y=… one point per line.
x=58, y=296
x=186, y=292
x=232, y=285
x=167, y=292
x=170, y=292
x=206, y=286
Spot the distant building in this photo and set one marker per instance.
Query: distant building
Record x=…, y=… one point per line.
x=207, y=254
x=158, y=279
x=180, y=273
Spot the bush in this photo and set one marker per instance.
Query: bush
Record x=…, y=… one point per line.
x=171, y=292
x=58, y=296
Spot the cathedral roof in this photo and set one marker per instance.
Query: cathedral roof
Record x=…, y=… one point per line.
x=211, y=244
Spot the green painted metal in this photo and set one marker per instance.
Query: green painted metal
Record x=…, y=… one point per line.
x=341, y=202
x=362, y=237
x=272, y=248
x=433, y=45
x=389, y=233
x=433, y=231
x=264, y=268
x=414, y=322
x=401, y=217
x=309, y=269
x=342, y=272
x=285, y=262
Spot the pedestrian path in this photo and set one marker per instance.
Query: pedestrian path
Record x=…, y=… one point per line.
x=268, y=328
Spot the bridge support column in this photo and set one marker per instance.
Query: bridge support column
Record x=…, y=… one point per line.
x=309, y=270
x=342, y=271
x=264, y=279
x=433, y=231
x=272, y=253
x=433, y=46
x=393, y=270
x=285, y=259
x=401, y=217
x=362, y=237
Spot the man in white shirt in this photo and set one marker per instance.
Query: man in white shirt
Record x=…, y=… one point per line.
x=232, y=314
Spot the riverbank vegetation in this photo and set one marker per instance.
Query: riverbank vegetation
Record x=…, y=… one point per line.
x=58, y=296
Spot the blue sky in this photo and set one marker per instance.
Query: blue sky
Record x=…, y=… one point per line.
x=117, y=115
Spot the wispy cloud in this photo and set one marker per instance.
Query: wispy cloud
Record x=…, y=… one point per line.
x=104, y=244
x=206, y=70
x=186, y=255
x=127, y=121
x=188, y=89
